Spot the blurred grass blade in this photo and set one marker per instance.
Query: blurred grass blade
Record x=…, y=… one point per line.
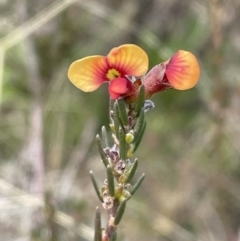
x=2, y=57
x=20, y=33
x=105, y=137
x=98, y=226
x=122, y=107
x=110, y=178
x=137, y=184
x=101, y=151
x=95, y=185
x=132, y=172
x=140, y=100
x=123, y=144
x=120, y=212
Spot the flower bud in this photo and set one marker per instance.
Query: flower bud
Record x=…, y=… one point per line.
x=129, y=137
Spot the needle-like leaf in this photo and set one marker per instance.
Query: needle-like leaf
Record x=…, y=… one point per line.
x=139, y=136
x=101, y=151
x=120, y=212
x=123, y=144
x=140, y=100
x=110, y=178
x=132, y=172
x=98, y=226
x=137, y=184
x=105, y=137
x=116, y=118
x=123, y=112
x=94, y=182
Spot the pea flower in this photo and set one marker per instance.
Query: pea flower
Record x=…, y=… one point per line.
x=126, y=60
x=180, y=72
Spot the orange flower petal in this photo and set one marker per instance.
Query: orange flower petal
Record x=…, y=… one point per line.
x=183, y=70
x=88, y=73
x=129, y=59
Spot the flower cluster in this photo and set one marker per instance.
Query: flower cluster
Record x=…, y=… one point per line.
x=125, y=68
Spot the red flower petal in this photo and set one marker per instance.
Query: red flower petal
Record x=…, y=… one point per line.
x=117, y=87
x=113, y=95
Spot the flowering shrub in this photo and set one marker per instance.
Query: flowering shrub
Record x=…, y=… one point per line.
x=124, y=69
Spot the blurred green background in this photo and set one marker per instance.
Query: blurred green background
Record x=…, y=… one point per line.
x=191, y=149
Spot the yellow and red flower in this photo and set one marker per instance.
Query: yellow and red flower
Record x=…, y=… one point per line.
x=180, y=72
x=89, y=73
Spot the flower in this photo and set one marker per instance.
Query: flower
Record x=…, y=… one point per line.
x=180, y=72
x=89, y=73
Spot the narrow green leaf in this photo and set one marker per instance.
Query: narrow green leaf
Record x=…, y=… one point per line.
x=111, y=103
x=116, y=118
x=105, y=137
x=120, y=212
x=101, y=151
x=140, y=100
x=139, y=124
x=94, y=182
x=122, y=107
x=137, y=184
x=110, y=178
x=123, y=144
x=139, y=137
x=98, y=226
x=132, y=172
